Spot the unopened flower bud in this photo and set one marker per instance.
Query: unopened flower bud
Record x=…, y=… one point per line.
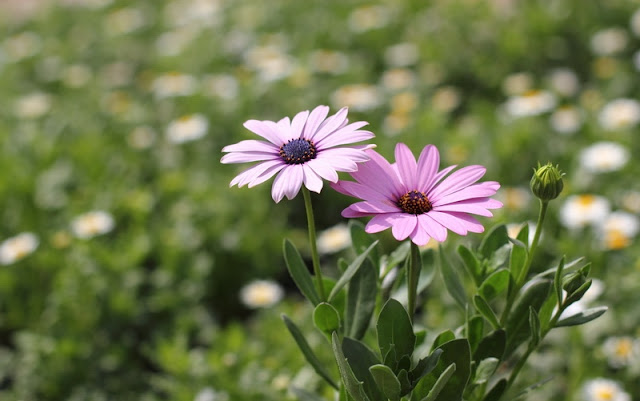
x=546, y=182
x=573, y=281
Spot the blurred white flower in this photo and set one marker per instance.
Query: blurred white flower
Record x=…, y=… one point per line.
x=76, y=75
x=369, y=17
x=173, y=84
x=15, y=248
x=209, y=394
x=621, y=351
x=33, y=105
x=223, y=86
x=270, y=62
x=187, y=128
x=123, y=21
x=635, y=23
x=398, y=79
x=564, y=81
x=604, y=157
x=620, y=113
x=402, y=54
x=334, y=239
x=359, y=97
x=261, y=294
x=609, y=41
x=630, y=200
x=204, y=13
x=530, y=103
x=21, y=46
x=566, y=119
x=91, y=224
x=601, y=389
x=94, y=4
x=514, y=198
x=404, y=102
x=446, y=99
x=577, y=211
x=141, y=137
x=636, y=60
x=119, y=73
x=395, y=123
x=328, y=61
x=517, y=83
x=618, y=229
x=173, y=42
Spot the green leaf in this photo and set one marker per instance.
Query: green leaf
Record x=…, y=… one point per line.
x=360, y=239
x=351, y=270
x=534, y=326
x=326, y=318
x=424, y=366
x=499, y=257
x=442, y=338
x=472, y=263
x=452, y=281
x=557, y=281
x=440, y=383
x=491, y=346
x=582, y=317
x=577, y=294
x=395, y=330
x=546, y=311
x=304, y=395
x=307, y=352
x=455, y=352
x=485, y=370
x=361, y=358
x=398, y=256
x=496, y=392
x=496, y=238
x=475, y=329
x=517, y=325
x=387, y=382
x=495, y=284
x=361, y=300
x=483, y=307
x=519, y=253
x=354, y=387
x=299, y=272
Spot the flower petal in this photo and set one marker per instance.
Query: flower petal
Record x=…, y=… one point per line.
x=367, y=208
x=311, y=179
x=376, y=224
x=268, y=130
x=298, y=123
x=378, y=175
x=330, y=125
x=481, y=190
x=354, y=154
x=295, y=177
x=402, y=224
x=348, y=134
x=419, y=236
x=449, y=221
x=268, y=173
x=252, y=172
x=252, y=145
x=406, y=164
x=427, y=168
x=323, y=169
x=458, y=180
x=246, y=157
x=314, y=120
x=432, y=227
x=357, y=190
x=477, y=206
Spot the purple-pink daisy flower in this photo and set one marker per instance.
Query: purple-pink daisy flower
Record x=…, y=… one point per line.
x=304, y=150
x=415, y=199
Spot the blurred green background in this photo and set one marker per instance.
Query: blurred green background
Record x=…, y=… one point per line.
x=123, y=107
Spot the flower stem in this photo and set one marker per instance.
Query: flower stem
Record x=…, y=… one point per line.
x=312, y=240
x=413, y=275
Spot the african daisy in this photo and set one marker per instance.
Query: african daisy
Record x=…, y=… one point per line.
x=416, y=200
x=304, y=150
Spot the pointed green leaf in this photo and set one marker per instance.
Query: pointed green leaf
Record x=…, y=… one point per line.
x=534, y=326
x=472, y=263
x=452, y=281
x=395, y=329
x=475, y=329
x=483, y=307
x=361, y=300
x=351, y=270
x=577, y=294
x=354, y=387
x=496, y=392
x=307, y=352
x=405, y=384
x=582, y=317
x=557, y=281
x=517, y=325
x=495, y=239
x=519, y=253
x=499, y=257
x=360, y=239
x=326, y=318
x=361, y=358
x=546, y=311
x=299, y=272
x=440, y=383
x=424, y=366
x=387, y=382
x=491, y=346
x=442, y=338
x=485, y=370
x=455, y=352
x=495, y=284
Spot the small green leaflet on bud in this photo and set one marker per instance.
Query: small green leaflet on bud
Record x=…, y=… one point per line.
x=546, y=182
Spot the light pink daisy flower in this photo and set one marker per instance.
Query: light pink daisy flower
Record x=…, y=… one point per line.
x=415, y=199
x=303, y=150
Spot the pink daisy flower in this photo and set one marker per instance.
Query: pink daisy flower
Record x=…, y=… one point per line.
x=415, y=199
x=304, y=150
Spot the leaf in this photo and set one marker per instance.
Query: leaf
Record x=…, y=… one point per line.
x=491, y=346
x=475, y=329
x=299, y=272
x=304, y=395
x=361, y=300
x=472, y=263
x=483, y=307
x=399, y=255
x=496, y=392
x=361, y=358
x=354, y=387
x=351, y=270
x=387, y=382
x=531, y=388
x=455, y=352
x=360, y=239
x=307, y=352
x=485, y=370
x=452, y=281
x=494, y=240
x=534, y=326
x=517, y=325
x=440, y=383
x=326, y=318
x=395, y=330
x=582, y=317
x=499, y=257
x=557, y=281
x=424, y=366
x=495, y=284
x=442, y=338
x=519, y=253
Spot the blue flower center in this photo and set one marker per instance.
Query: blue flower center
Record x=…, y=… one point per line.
x=414, y=202
x=298, y=151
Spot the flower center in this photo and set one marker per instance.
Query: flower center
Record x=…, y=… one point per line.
x=414, y=202
x=298, y=151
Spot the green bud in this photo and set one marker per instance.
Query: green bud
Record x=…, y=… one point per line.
x=573, y=281
x=546, y=182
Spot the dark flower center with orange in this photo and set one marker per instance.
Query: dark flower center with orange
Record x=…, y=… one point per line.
x=414, y=202
x=298, y=151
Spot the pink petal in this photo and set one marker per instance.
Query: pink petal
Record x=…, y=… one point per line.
x=376, y=224
x=402, y=224
x=323, y=169
x=314, y=120
x=432, y=227
x=268, y=130
x=277, y=190
x=448, y=221
x=252, y=172
x=427, y=168
x=481, y=190
x=284, y=127
x=360, y=209
x=378, y=175
x=337, y=163
x=298, y=123
x=348, y=134
x=477, y=206
x=419, y=236
x=246, y=157
x=470, y=223
x=268, y=173
x=252, y=145
x=357, y=190
x=311, y=179
x=330, y=125
x=439, y=176
x=406, y=164
x=458, y=180
x=294, y=181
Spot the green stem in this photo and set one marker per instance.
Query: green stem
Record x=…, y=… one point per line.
x=312, y=240
x=413, y=275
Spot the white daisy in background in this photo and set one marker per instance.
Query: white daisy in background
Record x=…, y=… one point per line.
x=15, y=248
x=445, y=99
x=621, y=351
x=358, y=97
x=116, y=74
x=201, y=13
x=93, y=4
x=634, y=23
x=187, y=128
x=618, y=229
x=395, y=122
x=404, y=102
x=328, y=61
x=142, y=137
x=619, y=114
x=261, y=294
x=604, y=157
x=174, y=84
x=124, y=21
x=630, y=200
x=610, y=41
x=270, y=62
x=20, y=46
x=564, y=81
x=33, y=105
x=566, y=119
x=530, y=103
x=369, y=17
x=209, y=394
x=398, y=79
x=402, y=54
x=223, y=86
x=517, y=83
x=334, y=239
x=601, y=389
x=76, y=75
x=514, y=198
x=173, y=42
x=91, y=224
x=578, y=211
